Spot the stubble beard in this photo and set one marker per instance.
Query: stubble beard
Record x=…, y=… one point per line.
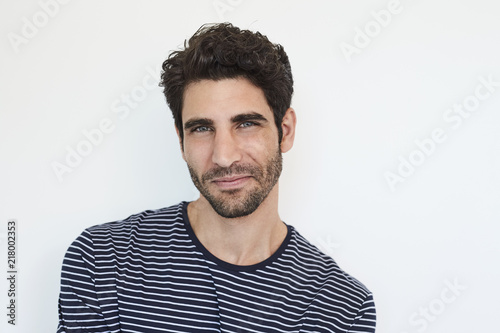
x=230, y=203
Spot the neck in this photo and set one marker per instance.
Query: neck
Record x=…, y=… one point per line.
x=244, y=240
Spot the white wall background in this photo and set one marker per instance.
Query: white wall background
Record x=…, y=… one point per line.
x=359, y=117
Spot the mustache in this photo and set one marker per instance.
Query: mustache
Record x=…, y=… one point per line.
x=237, y=169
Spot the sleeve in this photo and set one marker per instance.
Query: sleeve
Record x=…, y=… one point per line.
x=79, y=309
x=366, y=318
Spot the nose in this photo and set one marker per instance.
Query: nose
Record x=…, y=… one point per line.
x=225, y=149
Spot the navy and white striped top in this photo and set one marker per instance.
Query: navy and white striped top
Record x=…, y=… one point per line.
x=149, y=273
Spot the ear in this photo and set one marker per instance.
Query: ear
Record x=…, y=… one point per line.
x=180, y=142
x=288, y=127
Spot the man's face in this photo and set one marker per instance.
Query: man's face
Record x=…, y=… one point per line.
x=230, y=144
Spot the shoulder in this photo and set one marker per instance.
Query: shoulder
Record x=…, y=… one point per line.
x=335, y=297
x=322, y=269
x=148, y=220
x=144, y=225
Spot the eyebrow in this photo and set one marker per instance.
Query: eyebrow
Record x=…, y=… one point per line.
x=252, y=116
x=197, y=122
x=240, y=118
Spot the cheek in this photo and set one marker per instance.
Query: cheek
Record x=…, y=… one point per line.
x=197, y=156
x=190, y=154
x=262, y=149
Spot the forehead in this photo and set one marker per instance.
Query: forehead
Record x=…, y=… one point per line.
x=223, y=99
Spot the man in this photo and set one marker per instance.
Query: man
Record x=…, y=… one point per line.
x=225, y=262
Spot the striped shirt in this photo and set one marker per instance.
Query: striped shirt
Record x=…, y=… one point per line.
x=150, y=273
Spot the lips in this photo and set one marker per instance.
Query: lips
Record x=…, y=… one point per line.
x=232, y=181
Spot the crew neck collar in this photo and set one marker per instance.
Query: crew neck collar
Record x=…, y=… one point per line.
x=226, y=265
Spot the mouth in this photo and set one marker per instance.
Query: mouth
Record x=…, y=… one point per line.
x=231, y=182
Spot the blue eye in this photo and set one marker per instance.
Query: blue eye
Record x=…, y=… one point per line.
x=247, y=124
x=201, y=129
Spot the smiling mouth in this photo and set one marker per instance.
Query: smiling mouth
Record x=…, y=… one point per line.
x=231, y=182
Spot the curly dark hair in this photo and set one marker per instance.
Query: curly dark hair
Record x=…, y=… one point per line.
x=223, y=51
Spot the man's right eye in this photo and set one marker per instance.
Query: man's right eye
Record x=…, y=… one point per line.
x=201, y=129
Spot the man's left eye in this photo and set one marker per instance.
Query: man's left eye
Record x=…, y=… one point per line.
x=247, y=124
